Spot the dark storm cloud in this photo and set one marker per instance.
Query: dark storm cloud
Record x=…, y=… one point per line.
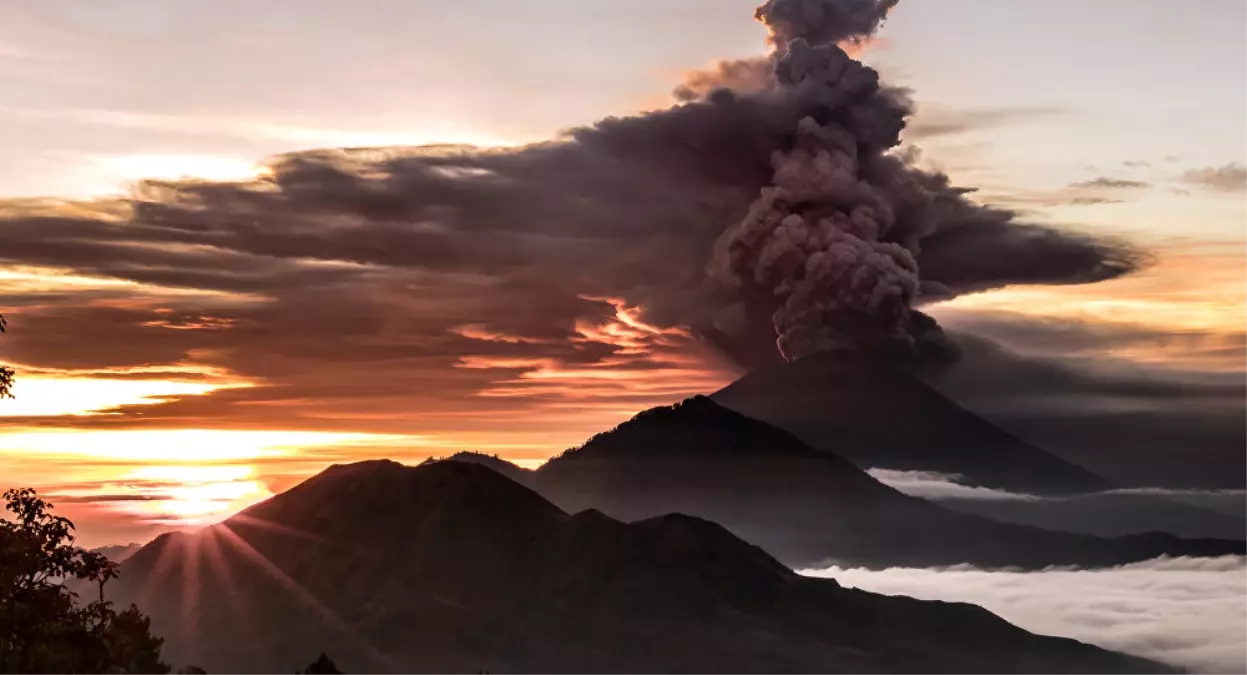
x=1228, y=178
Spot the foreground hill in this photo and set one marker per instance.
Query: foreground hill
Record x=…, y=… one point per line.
x=804, y=506
x=451, y=567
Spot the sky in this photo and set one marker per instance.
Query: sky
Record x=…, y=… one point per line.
x=163, y=384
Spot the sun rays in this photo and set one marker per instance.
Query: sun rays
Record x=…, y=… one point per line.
x=219, y=561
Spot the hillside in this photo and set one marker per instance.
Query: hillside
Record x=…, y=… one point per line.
x=804, y=506
x=451, y=567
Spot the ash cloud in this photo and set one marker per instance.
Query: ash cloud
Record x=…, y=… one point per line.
x=832, y=243
x=780, y=202
x=1188, y=612
x=823, y=21
x=1050, y=382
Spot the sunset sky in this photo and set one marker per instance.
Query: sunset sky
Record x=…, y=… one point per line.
x=166, y=381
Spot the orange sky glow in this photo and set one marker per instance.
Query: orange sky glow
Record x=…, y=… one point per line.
x=125, y=480
x=166, y=383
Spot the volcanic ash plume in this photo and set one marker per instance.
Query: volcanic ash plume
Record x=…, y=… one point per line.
x=823, y=21
x=824, y=238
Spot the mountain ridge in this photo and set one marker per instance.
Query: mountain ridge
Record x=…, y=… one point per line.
x=802, y=505
x=553, y=592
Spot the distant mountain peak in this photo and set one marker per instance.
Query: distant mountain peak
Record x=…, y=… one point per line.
x=694, y=427
x=879, y=414
x=349, y=500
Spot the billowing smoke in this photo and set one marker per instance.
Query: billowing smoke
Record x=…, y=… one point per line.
x=823, y=21
x=834, y=239
x=817, y=237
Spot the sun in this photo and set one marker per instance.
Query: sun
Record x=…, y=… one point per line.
x=192, y=496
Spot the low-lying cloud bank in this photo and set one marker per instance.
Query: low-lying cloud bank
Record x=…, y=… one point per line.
x=941, y=486
x=948, y=486
x=1189, y=612
x=1184, y=512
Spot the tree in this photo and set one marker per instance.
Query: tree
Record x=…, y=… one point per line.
x=44, y=628
x=323, y=665
x=6, y=373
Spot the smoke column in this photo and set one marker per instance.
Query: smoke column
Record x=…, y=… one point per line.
x=833, y=239
x=823, y=22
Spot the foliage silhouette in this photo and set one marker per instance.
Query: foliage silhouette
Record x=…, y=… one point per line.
x=43, y=626
x=323, y=665
x=6, y=373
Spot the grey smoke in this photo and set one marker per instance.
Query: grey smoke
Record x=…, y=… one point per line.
x=834, y=238
x=1189, y=612
x=745, y=76
x=823, y=21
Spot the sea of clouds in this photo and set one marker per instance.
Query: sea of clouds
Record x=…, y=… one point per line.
x=1188, y=612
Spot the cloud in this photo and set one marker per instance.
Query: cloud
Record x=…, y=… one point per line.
x=1112, y=513
x=1030, y=199
x=1228, y=178
x=940, y=486
x=1134, y=425
x=1110, y=183
x=1189, y=612
x=1177, y=493
x=536, y=293
x=934, y=120
x=350, y=284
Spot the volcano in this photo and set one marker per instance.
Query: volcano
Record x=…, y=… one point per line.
x=805, y=506
x=879, y=415
x=451, y=567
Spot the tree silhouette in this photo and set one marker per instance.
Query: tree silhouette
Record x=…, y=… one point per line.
x=323, y=665
x=6, y=373
x=43, y=626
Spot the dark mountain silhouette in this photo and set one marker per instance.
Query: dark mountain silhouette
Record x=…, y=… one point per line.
x=877, y=414
x=881, y=413
x=117, y=552
x=451, y=567
x=804, y=506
